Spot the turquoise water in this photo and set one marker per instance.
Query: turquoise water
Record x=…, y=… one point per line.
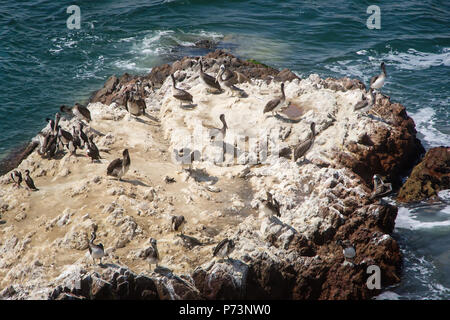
x=43, y=64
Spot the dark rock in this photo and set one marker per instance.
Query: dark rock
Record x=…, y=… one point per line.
x=429, y=177
x=101, y=289
x=206, y=44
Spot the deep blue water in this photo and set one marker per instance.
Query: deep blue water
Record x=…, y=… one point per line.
x=43, y=64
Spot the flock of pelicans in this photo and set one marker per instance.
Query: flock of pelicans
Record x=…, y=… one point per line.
x=56, y=139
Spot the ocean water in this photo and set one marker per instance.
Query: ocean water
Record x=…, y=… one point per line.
x=43, y=64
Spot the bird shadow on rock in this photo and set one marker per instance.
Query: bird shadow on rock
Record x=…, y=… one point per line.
x=189, y=242
x=285, y=119
x=163, y=271
x=109, y=265
x=191, y=106
x=151, y=117
x=136, y=183
x=200, y=175
x=377, y=118
x=96, y=132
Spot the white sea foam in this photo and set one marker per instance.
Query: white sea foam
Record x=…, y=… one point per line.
x=387, y=295
x=417, y=60
x=408, y=219
x=425, y=120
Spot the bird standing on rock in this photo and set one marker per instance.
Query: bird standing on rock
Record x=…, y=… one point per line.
x=118, y=167
x=271, y=205
x=376, y=82
x=380, y=188
x=78, y=110
x=92, y=150
x=303, y=147
x=180, y=94
x=152, y=253
x=16, y=176
x=276, y=104
x=29, y=181
x=347, y=249
x=224, y=248
x=178, y=223
x=96, y=250
x=208, y=80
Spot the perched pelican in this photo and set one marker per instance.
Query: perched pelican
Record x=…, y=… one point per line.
x=276, y=104
x=92, y=150
x=227, y=82
x=16, y=175
x=152, y=253
x=135, y=106
x=178, y=223
x=180, y=94
x=303, y=147
x=208, y=80
x=224, y=248
x=96, y=250
x=29, y=181
x=118, y=167
x=218, y=134
x=78, y=110
x=380, y=189
x=376, y=82
x=347, y=249
x=271, y=205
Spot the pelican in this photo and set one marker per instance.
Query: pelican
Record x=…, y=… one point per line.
x=29, y=181
x=227, y=82
x=276, y=104
x=78, y=110
x=118, y=167
x=303, y=147
x=218, y=134
x=224, y=249
x=180, y=94
x=152, y=253
x=178, y=223
x=16, y=175
x=208, y=80
x=96, y=250
x=271, y=205
x=347, y=249
x=380, y=189
x=83, y=137
x=134, y=106
x=376, y=82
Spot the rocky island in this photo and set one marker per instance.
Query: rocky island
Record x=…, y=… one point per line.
x=323, y=197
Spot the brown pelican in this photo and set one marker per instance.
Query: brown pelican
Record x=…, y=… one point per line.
x=365, y=104
x=224, y=248
x=303, y=147
x=96, y=250
x=134, y=104
x=118, y=167
x=75, y=143
x=210, y=81
x=180, y=94
x=271, y=205
x=16, y=175
x=29, y=181
x=276, y=104
x=347, y=249
x=152, y=253
x=218, y=134
x=54, y=124
x=78, y=110
x=178, y=223
x=376, y=82
x=227, y=82
x=92, y=150
x=380, y=189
